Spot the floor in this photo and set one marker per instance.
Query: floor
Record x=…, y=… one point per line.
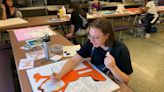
x=147, y=57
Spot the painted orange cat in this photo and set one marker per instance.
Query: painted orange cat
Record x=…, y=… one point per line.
x=49, y=85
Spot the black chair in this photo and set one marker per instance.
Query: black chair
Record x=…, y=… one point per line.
x=33, y=12
x=58, y=2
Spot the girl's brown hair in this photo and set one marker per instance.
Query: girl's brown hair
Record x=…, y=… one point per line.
x=76, y=7
x=105, y=26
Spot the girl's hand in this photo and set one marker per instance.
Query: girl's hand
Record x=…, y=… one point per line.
x=109, y=61
x=55, y=76
x=3, y=7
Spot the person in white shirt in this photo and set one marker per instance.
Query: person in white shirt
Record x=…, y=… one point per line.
x=151, y=15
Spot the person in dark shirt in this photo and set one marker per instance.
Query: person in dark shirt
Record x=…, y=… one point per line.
x=78, y=20
x=107, y=54
x=11, y=11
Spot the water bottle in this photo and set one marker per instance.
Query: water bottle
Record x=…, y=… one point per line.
x=46, y=40
x=62, y=12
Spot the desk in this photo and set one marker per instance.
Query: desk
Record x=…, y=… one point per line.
x=36, y=21
x=160, y=8
x=130, y=12
x=113, y=5
x=19, y=54
x=43, y=20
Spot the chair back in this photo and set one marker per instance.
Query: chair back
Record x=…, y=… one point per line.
x=33, y=12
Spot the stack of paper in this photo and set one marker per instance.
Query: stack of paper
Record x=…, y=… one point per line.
x=12, y=21
x=33, y=32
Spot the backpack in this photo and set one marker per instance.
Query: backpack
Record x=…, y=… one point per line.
x=153, y=29
x=85, y=22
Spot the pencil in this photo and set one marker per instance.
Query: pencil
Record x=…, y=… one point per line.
x=52, y=71
x=57, y=82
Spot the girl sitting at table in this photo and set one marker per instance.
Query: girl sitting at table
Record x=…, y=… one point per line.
x=151, y=16
x=110, y=56
x=11, y=11
x=78, y=20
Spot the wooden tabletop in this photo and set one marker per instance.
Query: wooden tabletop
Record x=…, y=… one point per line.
x=36, y=21
x=20, y=54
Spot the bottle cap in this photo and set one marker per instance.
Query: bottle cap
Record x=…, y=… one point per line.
x=46, y=38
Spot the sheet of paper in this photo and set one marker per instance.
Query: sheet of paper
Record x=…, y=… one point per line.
x=77, y=86
x=120, y=8
x=69, y=51
x=107, y=12
x=56, y=57
x=89, y=16
x=44, y=73
x=32, y=32
x=12, y=21
x=55, y=20
x=26, y=64
x=34, y=42
x=26, y=47
x=94, y=86
x=75, y=82
x=36, y=55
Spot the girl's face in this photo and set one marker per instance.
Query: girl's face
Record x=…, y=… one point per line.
x=9, y=2
x=97, y=38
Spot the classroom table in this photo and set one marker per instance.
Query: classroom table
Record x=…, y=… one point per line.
x=43, y=20
x=37, y=21
x=113, y=5
x=20, y=54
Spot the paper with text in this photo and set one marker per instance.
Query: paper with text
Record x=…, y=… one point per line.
x=44, y=73
x=26, y=64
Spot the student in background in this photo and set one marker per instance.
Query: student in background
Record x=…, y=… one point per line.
x=78, y=20
x=96, y=5
x=11, y=11
x=151, y=16
x=107, y=54
x=2, y=12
